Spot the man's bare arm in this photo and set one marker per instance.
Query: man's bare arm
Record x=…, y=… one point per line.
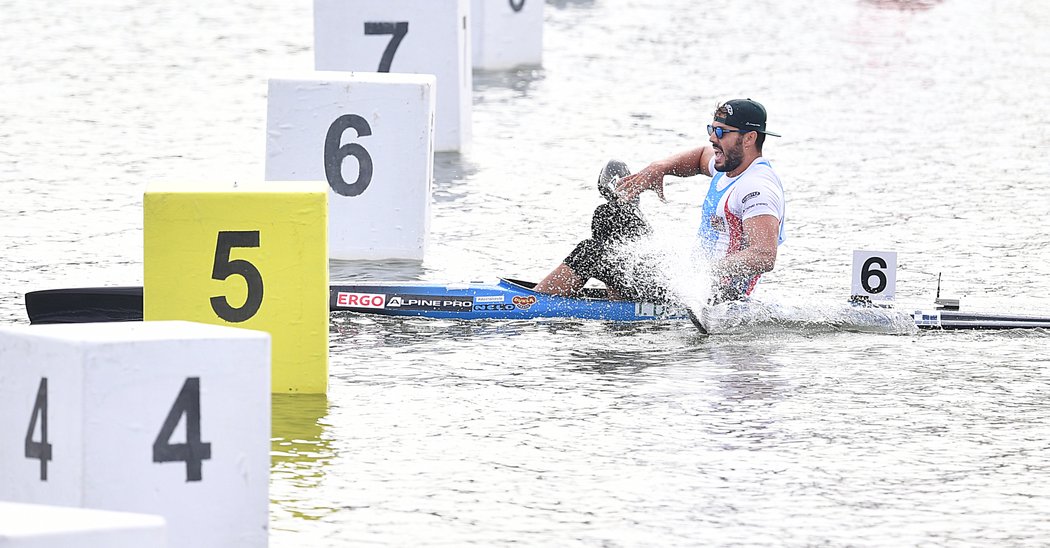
x=683, y=164
x=760, y=254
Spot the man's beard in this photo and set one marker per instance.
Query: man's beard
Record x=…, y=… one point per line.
x=733, y=157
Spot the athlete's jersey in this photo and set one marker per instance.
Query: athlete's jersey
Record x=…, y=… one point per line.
x=730, y=201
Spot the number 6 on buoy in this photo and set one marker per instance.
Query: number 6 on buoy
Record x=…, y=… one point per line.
x=875, y=274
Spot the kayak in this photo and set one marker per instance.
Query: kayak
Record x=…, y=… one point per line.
x=509, y=299
x=504, y=299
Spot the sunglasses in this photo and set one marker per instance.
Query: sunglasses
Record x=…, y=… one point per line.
x=719, y=132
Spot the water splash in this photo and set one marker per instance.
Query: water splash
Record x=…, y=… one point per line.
x=675, y=263
x=664, y=266
x=757, y=317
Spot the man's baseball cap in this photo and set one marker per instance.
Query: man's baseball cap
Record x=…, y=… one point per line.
x=744, y=114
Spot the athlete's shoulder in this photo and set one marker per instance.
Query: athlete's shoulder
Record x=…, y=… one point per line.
x=761, y=174
x=760, y=171
x=763, y=166
x=759, y=191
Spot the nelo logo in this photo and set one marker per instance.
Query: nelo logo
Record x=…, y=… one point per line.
x=360, y=300
x=494, y=307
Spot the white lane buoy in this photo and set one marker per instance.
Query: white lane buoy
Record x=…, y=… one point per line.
x=506, y=33
x=404, y=36
x=165, y=418
x=370, y=137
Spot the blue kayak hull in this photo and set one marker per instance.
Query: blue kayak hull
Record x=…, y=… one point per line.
x=502, y=299
x=513, y=300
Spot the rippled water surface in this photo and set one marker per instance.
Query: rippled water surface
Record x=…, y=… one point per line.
x=920, y=127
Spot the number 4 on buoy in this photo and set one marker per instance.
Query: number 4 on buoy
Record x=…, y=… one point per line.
x=874, y=275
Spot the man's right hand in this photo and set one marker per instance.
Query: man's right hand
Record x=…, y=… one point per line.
x=650, y=178
x=683, y=164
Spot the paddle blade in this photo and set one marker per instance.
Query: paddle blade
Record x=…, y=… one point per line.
x=84, y=305
x=696, y=321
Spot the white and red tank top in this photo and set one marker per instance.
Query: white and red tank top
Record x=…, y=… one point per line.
x=730, y=201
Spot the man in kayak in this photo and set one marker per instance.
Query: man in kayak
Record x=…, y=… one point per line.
x=742, y=218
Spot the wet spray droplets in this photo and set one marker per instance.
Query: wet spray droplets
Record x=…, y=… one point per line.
x=674, y=268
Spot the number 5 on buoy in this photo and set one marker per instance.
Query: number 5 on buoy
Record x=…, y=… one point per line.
x=875, y=274
x=250, y=255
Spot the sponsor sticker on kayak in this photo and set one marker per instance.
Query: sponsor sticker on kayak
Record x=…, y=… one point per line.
x=927, y=319
x=360, y=300
x=493, y=307
x=488, y=299
x=523, y=302
x=653, y=310
x=430, y=302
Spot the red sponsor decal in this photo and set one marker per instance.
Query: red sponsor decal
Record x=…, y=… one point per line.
x=360, y=300
x=524, y=302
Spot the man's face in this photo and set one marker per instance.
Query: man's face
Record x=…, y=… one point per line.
x=729, y=150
